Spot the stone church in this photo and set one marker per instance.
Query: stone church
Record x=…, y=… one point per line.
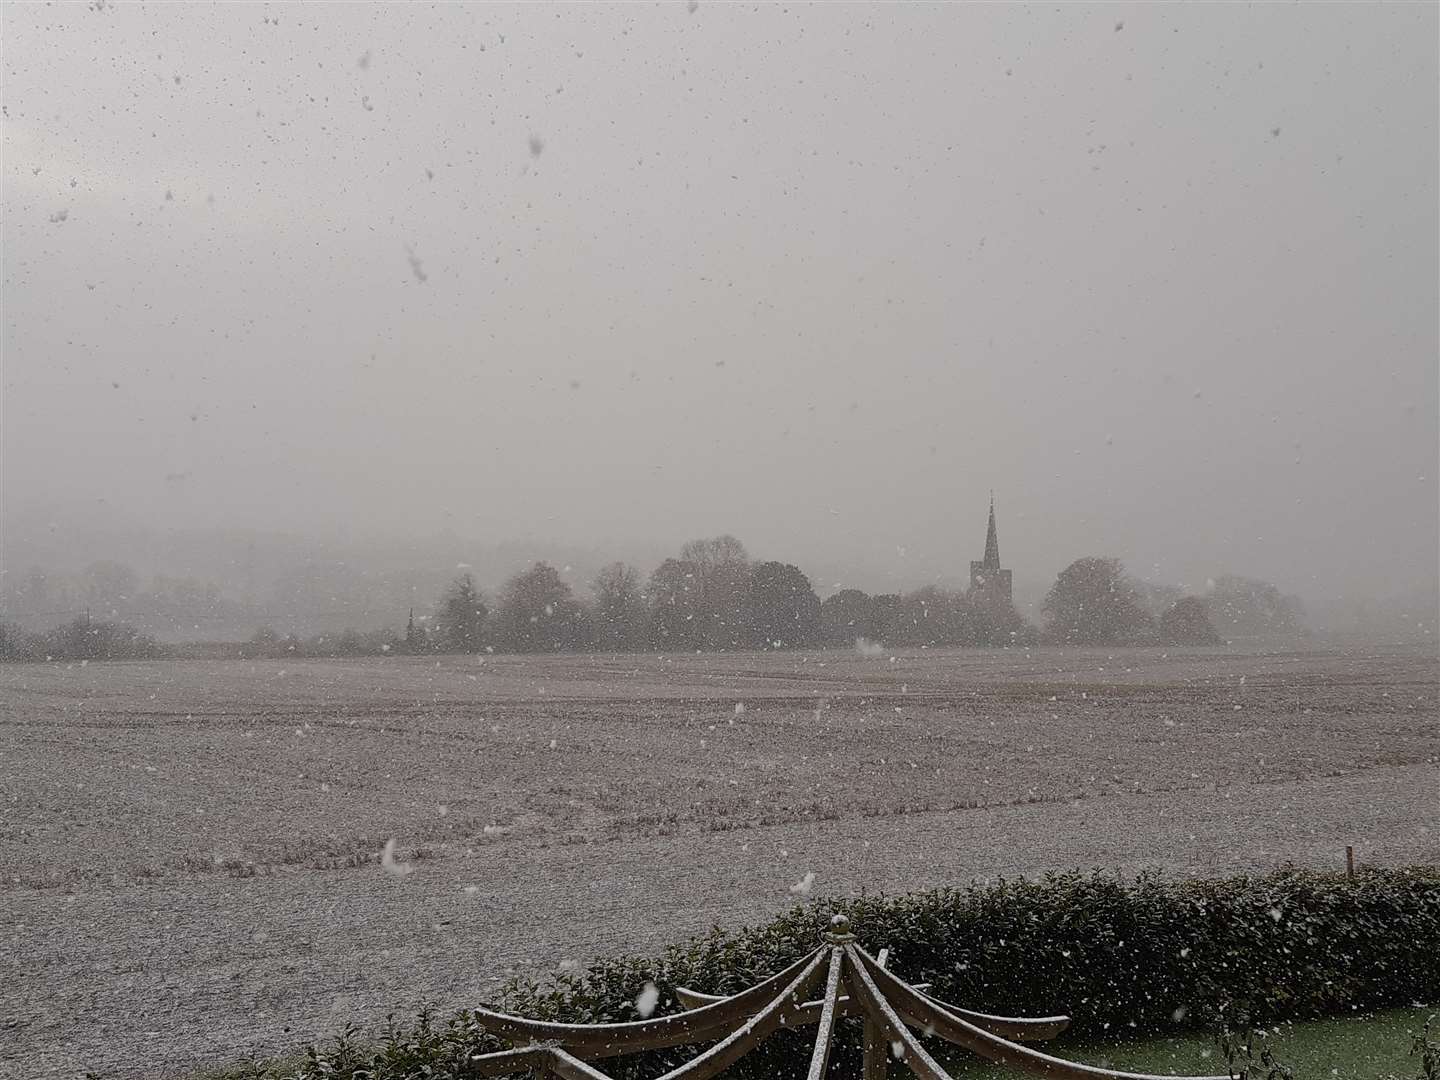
x=989, y=582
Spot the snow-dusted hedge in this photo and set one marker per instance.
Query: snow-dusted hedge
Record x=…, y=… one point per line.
x=1119, y=956
x=1144, y=954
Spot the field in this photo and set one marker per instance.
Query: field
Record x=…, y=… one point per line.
x=190, y=852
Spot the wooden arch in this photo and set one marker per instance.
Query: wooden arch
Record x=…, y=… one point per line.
x=851, y=983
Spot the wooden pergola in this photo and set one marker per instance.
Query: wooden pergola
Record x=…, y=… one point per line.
x=850, y=981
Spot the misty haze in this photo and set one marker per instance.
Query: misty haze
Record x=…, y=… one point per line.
x=490, y=492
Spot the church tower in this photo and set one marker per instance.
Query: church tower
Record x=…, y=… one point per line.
x=988, y=582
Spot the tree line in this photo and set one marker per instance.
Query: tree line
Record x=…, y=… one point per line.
x=80, y=639
x=1095, y=602
x=713, y=596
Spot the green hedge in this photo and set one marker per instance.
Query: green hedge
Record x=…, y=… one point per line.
x=1119, y=956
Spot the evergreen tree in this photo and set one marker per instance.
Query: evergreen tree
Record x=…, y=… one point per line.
x=462, y=617
x=538, y=613
x=782, y=610
x=1093, y=603
x=1187, y=622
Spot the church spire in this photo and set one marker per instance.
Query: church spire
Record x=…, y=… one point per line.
x=992, y=541
x=989, y=581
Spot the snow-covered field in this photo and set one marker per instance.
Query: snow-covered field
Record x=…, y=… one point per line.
x=190, y=852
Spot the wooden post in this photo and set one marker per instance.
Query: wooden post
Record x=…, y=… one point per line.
x=1349, y=861
x=877, y=1052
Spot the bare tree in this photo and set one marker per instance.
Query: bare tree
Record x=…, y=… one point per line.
x=720, y=568
x=1245, y=607
x=620, y=615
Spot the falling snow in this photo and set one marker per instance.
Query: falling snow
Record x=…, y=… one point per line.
x=647, y=1000
x=387, y=860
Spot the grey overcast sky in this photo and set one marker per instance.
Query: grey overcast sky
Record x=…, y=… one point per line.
x=1163, y=276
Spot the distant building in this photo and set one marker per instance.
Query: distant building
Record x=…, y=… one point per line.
x=989, y=584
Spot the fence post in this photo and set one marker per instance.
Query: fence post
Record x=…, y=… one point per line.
x=1349, y=861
